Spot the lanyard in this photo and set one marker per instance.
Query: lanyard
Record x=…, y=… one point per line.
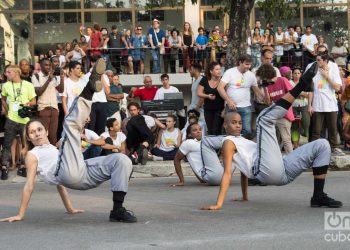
x=18, y=92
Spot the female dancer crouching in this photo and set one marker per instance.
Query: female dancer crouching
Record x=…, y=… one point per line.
x=66, y=167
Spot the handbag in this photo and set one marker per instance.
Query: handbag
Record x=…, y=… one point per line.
x=162, y=48
x=347, y=106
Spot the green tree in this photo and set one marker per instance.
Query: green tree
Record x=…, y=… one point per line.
x=276, y=10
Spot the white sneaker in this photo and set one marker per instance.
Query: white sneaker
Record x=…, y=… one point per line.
x=157, y=158
x=337, y=152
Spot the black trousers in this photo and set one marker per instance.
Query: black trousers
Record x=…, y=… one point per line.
x=138, y=132
x=98, y=117
x=214, y=121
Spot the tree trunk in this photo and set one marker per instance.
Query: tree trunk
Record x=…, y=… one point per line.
x=239, y=29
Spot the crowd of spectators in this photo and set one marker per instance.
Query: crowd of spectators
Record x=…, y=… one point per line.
x=117, y=122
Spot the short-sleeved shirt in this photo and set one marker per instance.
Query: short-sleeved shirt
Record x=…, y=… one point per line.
x=191, y=148
x=161, y=91
x=160, y=36
x=114, y=106
x=339, y=50
x=194, y=96
x=121, y=137
x=72, y=89
x=238, y=86
x=201, y=40
x=146, y=94
x=324, y=99
x=218, y=102
x=309, y=41
x=279, y=89
x=16, y=94
x=48, y=97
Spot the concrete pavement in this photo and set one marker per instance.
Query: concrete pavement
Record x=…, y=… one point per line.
x=169, y=218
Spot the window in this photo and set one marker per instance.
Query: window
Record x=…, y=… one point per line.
x=120, y=16
x=46, y=4
x=72, y=17
x=41, y=18
x=108, y=4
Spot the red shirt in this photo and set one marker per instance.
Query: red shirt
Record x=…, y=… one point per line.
x=279, y=89
x=146, y=94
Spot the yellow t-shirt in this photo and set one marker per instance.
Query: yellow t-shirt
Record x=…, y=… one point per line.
x=16, y=94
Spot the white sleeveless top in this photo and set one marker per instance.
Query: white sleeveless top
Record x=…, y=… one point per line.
x=168, y=140
x=76, y=56
x=245, y=156
x=47, y=156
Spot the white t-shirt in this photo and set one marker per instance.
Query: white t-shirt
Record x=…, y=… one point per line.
x=101, y=95
x=309, y=41
x=62, y=59
x=339, y=50
x=121, y=137
x=324, y=95
x=238, y=86
x=91, y=135
x=169, y=139
x=288, y=37
x=150, y=122
x=161, y=91
x=245, y=156
x=72, y=90
x=47, y=156
x=192, y=149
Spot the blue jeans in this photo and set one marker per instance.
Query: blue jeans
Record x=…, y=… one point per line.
x=92, y=152
x=156, y=60
x=246, y=115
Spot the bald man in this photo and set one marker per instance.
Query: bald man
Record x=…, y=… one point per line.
x=145, y=93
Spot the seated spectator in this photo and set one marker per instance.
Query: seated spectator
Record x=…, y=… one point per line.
x=91, y=144
x=214, y=42
x=114, y=138
x=114, y=98
x=168, y=140
x=145, y=93
x=139, y=136
x=165, y=89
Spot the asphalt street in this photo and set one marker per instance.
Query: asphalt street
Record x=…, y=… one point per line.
x=170, y=218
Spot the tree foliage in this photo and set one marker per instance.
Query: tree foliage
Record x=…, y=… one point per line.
x=275, y=10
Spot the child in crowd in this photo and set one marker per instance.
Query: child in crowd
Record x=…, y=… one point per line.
x=114, y=138
x=201, y=43
x=168, y=141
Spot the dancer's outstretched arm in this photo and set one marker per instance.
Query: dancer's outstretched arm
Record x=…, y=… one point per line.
x=244, y=187
x=177, y=163
x=229, y=148
x=66, y=201
x=31, y=164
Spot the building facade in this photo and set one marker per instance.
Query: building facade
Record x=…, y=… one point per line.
x=31, y=27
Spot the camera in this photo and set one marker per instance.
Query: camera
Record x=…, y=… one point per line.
x=265, y=82
x=28, y=111
x=57, y=71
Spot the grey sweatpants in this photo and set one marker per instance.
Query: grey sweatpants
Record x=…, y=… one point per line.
x=213, y=170
x=270, y=166
x=75, y=173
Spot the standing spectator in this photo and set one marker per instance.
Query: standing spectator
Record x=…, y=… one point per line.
x=145, y=93
x=201, y=44
x=168, y=141
x=25, y=70
x=138, y=44
x=321, y=41
x=46, y=84
x=96, y=41
x=76, y=54
x=15, y=92
x=309, y=43
x=114, y=41
x=214, y=40
x=267, y=38
x=188, y=45
x=235, y=87
x=323, y=106
x=339, y=53
x=73, y=86
x=156, y=38
x=279, y=40
x=300, y=106
x=255, y=47
x=67, y=48
x=88, y=33
x=60, y=57
x=298, y=47
x=126, y=53
x=84, y=46
x=213, y=103
x=258, y=25
x=114, y=98
x=196, y=101
x=345, y=100
x=290, y=39
x=139, y=136
x=165, y=89
x=175, y=43
x=104, y=47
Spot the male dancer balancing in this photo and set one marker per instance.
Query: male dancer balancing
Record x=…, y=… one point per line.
x=67, y=168
x=264, y=160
